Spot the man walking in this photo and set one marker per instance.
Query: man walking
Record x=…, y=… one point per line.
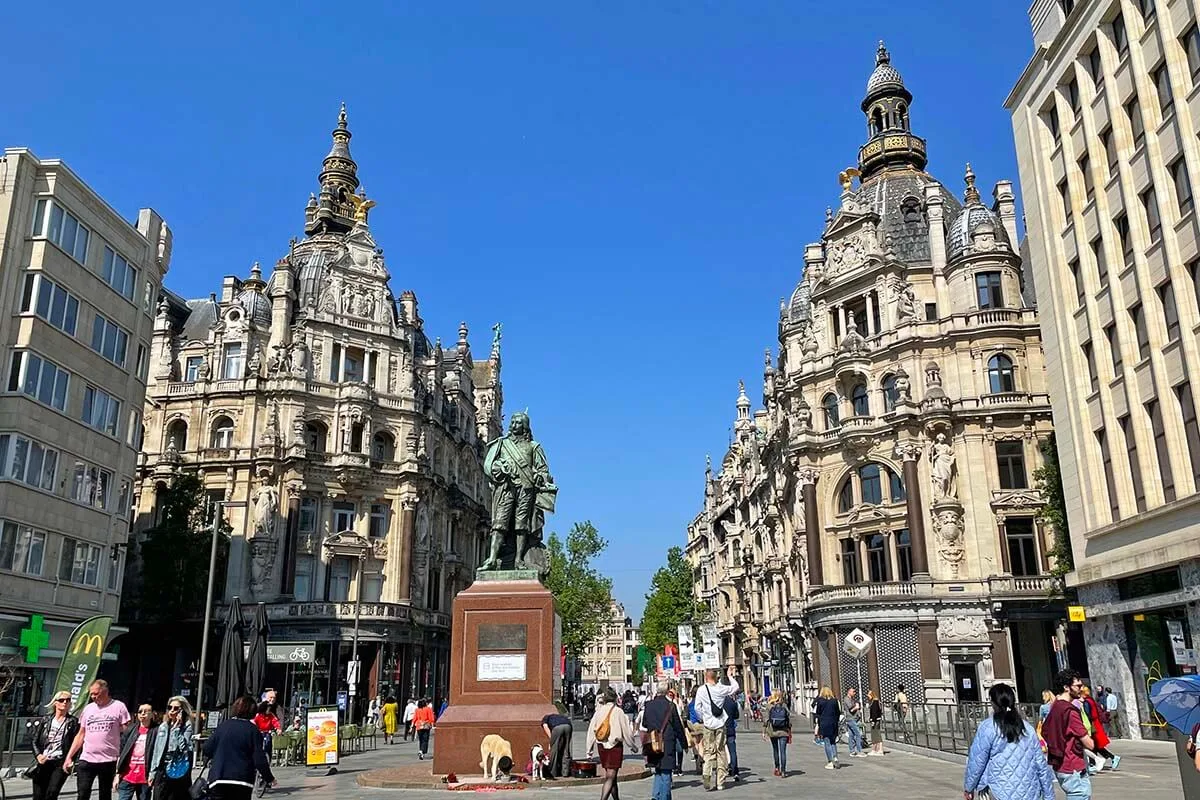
x=710, y=706
x=98, y=742
x=852, y=707
x=661, y=715
x=410, y=711
x=558, y=730
x=1067, y=738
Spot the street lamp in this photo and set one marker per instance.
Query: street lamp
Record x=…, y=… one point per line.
x=208, y=601
x=353, y=679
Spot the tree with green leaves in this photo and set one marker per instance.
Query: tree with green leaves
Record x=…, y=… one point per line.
x=582, y=596
x=671, y=602
x=174, y=555
x=1048, y=479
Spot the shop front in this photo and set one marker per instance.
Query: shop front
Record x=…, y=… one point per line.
x=31, y=651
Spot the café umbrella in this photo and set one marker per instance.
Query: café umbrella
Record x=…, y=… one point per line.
x=1177, y=700
x=231, y=670
x=256, y=658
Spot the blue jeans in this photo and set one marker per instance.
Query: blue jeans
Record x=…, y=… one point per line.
x=1076, y=786
x=854, y=735
x=731, y=746
x=661, y=789
x=779, y=752
x=132, y=791
x=830, y=748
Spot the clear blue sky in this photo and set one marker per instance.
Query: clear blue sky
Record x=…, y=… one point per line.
x=628, y=186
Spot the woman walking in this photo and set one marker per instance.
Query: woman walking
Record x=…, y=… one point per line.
x=1097, y=715
x=611, y=735
x=236, y=753
x=826, y=715
x=1005, y=756
x=423, y=721
x=171, y=757
x=391, y=720
x=410, y=710
x=778, y=729
x=53, y=736
x=875, y=716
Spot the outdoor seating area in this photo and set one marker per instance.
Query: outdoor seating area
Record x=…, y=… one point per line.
x=288, y=748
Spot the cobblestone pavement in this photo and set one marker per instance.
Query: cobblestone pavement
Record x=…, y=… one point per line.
x=1149, y=769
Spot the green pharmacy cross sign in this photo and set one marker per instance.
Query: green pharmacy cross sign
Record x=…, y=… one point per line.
x=34, y=638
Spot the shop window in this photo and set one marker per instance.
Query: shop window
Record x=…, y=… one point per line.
x=851, y=575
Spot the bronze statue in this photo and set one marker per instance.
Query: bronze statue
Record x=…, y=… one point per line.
x=522, y=493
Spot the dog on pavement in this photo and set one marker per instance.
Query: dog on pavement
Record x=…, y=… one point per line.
x=539, y=763
x=491, y=750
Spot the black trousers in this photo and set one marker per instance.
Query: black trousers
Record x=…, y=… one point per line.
x=423, y=740
x=560, y=750
x=49, y=780
x=229, y=791
x=87, y=773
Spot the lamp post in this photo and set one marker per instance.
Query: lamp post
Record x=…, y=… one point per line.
x=358, y=595
x=208, y=601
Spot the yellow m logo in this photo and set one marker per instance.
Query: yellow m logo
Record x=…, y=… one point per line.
x=87, y=641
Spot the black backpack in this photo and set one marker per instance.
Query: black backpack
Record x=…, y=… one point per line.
x=778, y=717
x=629, y=706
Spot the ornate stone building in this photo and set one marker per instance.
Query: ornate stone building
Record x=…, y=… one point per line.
x=887, y=483
x=342, y=445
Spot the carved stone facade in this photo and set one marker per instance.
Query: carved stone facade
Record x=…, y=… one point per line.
x=886, y=484
x=343, y=446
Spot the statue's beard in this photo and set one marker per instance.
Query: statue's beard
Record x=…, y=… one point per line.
x=524, y=436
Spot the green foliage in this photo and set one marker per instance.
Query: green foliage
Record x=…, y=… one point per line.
x=1048, y=479
x=670, y=602
x=175, y=553
x=582, y=596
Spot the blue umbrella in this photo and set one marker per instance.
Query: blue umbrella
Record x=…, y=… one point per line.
x=1177, y=700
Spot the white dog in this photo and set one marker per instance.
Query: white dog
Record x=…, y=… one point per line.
x=540, y=761
x=491, y=750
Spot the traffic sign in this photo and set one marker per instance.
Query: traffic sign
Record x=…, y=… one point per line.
x=857, y=643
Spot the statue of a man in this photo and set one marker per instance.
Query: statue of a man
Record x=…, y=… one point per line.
x=522, y=491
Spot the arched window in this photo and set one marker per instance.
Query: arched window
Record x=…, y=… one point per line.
x=383, y=447
x=896, y=487
x=872, y=490
x=910, y=209
x=1000, y=374
x=889, y=393
x=902, y=117
x=222, y=432
x=877, y=118
x=830, y=406
x=177, y=433
x=845, y=500
x=858, y=398
x=315, y=435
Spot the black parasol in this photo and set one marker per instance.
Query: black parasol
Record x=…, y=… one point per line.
x=256, y=659
x=233, y=666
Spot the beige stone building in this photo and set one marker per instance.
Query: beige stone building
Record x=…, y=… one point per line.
x=610, y=658
x=887, y=482
x=342, y=444
x=77, y=284
x=1106, y=117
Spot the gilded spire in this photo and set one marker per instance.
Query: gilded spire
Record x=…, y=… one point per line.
x=972, y=194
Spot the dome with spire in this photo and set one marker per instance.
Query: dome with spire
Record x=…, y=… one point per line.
x=253, y=301
x=334, y=208
x=885, y=76
x=974, y=215
x=799, y=308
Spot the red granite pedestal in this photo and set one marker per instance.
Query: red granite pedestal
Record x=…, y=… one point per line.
x=502, y=671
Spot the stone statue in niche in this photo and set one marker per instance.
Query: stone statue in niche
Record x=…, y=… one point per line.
x=254, y=367
x=802, y=414
x=278, y=362
x=266, y=511
x=942, y=469
x=298, y=359
x=202, y=368
x=906, y=302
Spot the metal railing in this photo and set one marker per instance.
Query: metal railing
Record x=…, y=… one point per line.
x=950, y=729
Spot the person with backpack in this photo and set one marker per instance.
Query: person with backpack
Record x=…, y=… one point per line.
x=779, y=730
x=710, y=704
x=732, y=713
x=1099, y=717
x=629, y=705
x=1067, y=739
x=662, y=751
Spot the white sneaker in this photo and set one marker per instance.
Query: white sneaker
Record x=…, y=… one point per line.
x=829, y=765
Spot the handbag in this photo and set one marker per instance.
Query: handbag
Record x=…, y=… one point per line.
x=179, y=766
x=604, y=729
x=652, y=741
x=199, y=788
x=31, y=772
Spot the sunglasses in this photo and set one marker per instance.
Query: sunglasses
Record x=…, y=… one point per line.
x=175, y=708
x=61, y=699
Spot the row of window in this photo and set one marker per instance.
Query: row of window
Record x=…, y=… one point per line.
x=337, y=583
x=48, y=383
x=58, y=307
x=344, y=516
x=316, y=435
x=1137, y=318
x=23, y=550
x=53, y=222
x=1186, y=411
x=31, y=462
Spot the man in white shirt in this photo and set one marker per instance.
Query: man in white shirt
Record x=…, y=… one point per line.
x=710, y=705
x=410, y=711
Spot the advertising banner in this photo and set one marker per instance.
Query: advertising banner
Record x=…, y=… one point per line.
x=322, y=732
x=81, y=660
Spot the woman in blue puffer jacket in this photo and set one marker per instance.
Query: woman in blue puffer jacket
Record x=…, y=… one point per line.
x=1006, y=757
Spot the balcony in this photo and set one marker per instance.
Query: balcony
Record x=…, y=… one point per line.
x=859, y=433
x=998, y=586
x=344, y=612
x=1026, y=586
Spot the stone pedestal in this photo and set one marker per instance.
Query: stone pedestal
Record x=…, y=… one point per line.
x=503, y=665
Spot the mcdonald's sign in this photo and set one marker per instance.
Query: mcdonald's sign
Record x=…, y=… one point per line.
x=81, y=659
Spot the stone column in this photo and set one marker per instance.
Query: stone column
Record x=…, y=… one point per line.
x=812, y=527
x=408, y=528
x=869, y=323
x=910, y=451
x=290, y=540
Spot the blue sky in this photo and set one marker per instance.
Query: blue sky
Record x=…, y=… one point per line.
x=628, y=186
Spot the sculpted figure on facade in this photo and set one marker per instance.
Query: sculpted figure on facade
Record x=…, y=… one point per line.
x=202, y=368
x=903, y=385
x=298, y=358
x=278, y=363
x=522, y=493
x=942, y=469
x=266, y=510
x=906, y=302
x=853, y=342
x=947, y=525
x=254, y=367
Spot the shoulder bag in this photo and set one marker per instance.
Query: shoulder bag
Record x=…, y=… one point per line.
x=604, y=729
x=199, y=789
x=652, y=741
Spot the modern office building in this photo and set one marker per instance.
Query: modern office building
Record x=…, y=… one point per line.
x=78, y=284
x=1106, y=117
